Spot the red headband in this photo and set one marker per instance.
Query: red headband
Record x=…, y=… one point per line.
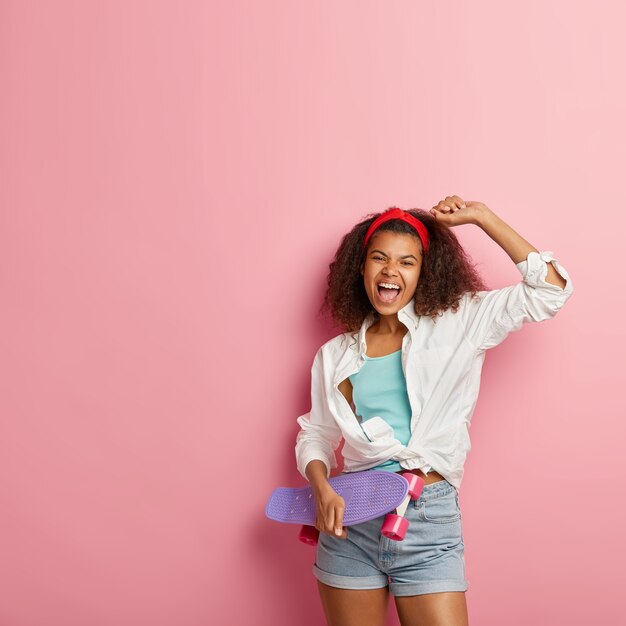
x=398, y=214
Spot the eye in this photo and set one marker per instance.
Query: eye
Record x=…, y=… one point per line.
x=378, y=258
x=408, y=263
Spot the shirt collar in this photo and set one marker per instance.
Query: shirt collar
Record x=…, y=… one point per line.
x=406, y=315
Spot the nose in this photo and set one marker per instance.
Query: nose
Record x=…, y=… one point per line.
x=389, y=268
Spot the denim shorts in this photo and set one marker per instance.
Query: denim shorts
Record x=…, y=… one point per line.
x=429, y=559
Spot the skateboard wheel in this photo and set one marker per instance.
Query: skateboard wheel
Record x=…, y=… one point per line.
x=309, y=535
x=416, y=484
x=394, y=527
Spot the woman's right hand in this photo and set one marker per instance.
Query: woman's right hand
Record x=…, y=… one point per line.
x=330, y=508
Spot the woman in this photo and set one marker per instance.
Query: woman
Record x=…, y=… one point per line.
x=399, y=386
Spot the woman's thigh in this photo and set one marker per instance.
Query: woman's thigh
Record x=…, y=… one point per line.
x=354, y=607
x=448, y=608
x=352, y=587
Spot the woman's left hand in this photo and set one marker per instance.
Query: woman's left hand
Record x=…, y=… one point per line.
x=454, y=211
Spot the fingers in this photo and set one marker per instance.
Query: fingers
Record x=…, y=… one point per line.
x=331, y=523
x=338, y=526
x=451, y=204
x=330, y=520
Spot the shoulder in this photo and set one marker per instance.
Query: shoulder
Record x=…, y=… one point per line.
x=453, y=321
x=468, y=300
x=334, y=348
x=339, y=343
x=451, y=315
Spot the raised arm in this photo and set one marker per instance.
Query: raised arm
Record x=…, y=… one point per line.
x=512, y=242
x=545, y=286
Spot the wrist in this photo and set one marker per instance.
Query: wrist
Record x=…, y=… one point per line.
x=484, y=217
x=317, y=474
x=320, y=487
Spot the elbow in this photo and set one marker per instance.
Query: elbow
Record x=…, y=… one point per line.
x=558, y=281
x=544, y=303
x=311, y=445
x=305, y=453
x=318, y=438
x=563, y=283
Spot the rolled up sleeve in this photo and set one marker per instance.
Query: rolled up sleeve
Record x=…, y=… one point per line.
x=492, y=315
x=319, y=434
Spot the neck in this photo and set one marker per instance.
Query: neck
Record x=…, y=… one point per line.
x=388, y=325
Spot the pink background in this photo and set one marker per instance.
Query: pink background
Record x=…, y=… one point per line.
x=174, y=180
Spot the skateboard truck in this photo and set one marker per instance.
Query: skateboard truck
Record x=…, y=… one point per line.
x=395, y=524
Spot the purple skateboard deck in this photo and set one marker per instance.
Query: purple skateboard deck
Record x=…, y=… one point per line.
x=367, y=495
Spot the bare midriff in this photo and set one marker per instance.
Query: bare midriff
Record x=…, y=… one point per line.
x=431, y=477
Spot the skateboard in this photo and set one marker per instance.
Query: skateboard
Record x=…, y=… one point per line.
x=367, y=495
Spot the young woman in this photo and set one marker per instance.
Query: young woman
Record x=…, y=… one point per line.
x=399, y=387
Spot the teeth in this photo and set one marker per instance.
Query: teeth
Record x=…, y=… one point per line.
x=389, y=285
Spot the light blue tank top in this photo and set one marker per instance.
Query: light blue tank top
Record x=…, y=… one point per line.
x=379, y=388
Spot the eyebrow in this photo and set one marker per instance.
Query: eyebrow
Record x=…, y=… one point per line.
x=406, y=256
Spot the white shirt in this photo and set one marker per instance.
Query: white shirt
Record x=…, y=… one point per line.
x=442, y=362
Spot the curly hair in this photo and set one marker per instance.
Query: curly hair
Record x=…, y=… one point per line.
x=447, y=272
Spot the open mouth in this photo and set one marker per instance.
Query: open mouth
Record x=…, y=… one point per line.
x=388, y=294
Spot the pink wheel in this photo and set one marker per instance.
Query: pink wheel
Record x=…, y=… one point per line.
x=309, y=535
x=394, y=527
x=416, y=484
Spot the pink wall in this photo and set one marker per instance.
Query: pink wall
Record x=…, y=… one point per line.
x=174, y=178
